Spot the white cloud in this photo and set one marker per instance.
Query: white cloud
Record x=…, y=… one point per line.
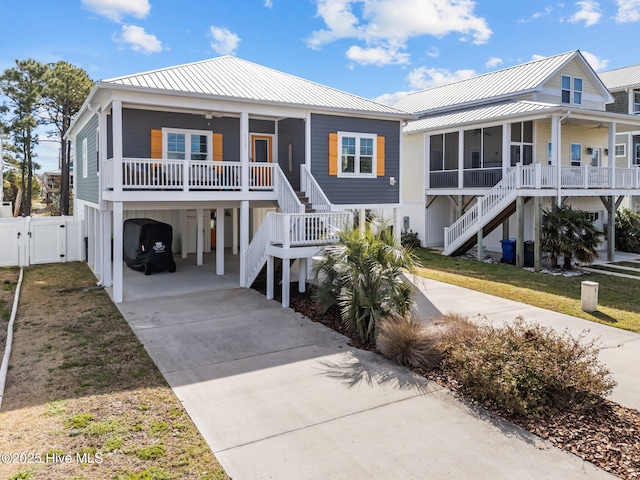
x=628, y=11
x=391, y=98
x=268, y=3
x=493, y=62
x=224, y=41
x=537, y=15
x=433, y=52
x=423, y=77
x=535, y=57
x=589, y=12
x=116, y=9
x=139, y=40
x=390, y=23
x=377, y=56
x=595, y=62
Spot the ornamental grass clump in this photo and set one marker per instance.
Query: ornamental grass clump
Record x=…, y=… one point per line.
x=407, y=343
x=529, y=370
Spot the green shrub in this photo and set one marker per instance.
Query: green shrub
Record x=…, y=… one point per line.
x=628, y=231
x=528, y=369
x=410, y=239
x=407, y=343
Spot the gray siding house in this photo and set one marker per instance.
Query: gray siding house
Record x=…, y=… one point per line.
x=233, y=155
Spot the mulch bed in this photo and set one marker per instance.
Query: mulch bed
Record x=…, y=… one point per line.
x=607, y=436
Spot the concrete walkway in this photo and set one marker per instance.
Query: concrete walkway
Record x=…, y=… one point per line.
x=277, y=396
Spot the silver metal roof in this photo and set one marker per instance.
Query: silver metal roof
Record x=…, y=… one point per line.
x=476, y=115
x=236, y=79
x=621, y=78
x=507, y=83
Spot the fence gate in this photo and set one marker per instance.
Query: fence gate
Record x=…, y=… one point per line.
x=31, y=240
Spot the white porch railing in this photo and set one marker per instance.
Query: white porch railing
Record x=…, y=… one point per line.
x=204, y=175
x=306, y=229
x=503, y=193
x=312, y=190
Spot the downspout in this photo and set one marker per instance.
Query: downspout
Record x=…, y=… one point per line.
x=557, y=150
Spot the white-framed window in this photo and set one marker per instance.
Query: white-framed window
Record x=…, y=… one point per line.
x=621, y=149
x=636, y=102
x=85, y=158
x=571, y=90
x=187, y=144
x=576, y=154
x=549, y=153
x=357, y=154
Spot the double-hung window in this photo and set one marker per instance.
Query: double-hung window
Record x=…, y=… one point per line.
x=571, y=90
x=85, y=159
x=187, y=144
x=576, y=154
x=357, y=154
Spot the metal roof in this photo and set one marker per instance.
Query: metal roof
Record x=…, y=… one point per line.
x=621, y=78
x=476, y=115
x=236, y=79
x=505, y=83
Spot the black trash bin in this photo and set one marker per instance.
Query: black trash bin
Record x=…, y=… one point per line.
x=147, y=245
x=529, y=249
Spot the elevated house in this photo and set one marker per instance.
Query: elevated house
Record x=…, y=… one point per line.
x=276, y=159
x=624, y=85
x=496, y=149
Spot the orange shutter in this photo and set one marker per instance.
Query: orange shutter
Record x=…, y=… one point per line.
x=333, y=154
x=217, y=147
x=380, y=158
x=156, y=143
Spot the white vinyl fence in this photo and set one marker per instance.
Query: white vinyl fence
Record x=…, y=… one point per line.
x=30, y=240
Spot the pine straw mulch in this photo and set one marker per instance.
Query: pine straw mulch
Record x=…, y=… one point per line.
x=607, y=436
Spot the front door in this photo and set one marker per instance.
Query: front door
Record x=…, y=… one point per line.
x=596, y=153
x=261, y=153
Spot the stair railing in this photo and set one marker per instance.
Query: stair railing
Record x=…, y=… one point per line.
x=309, y=185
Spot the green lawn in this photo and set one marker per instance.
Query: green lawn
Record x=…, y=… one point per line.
x=618, y=298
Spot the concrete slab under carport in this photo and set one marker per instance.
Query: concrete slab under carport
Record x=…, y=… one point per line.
x=278, y=396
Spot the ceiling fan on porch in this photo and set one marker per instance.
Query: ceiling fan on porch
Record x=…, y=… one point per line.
x=600, y=125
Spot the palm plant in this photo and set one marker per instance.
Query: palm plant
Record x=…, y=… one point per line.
x=361, y=273
x=569, y=233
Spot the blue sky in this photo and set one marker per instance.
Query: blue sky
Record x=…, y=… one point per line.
x=378, y=49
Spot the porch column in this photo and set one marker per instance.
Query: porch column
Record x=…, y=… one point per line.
x=220, y=241
x=286, y=281
x=90, y=223
x=307, y=141
x=117, y=251
x=397, y=222
x=361, y=220
x=302, y=274
x=520, y=231
x=270, y=279
x=102, y=150
x=611, y=229
x=556, y=157
x=97, y=243
x=234, y=219
x=505, y=229
x=506, y=150
x=460, y=158
x=459, y=206
x=199, y=235
x=116, y=119
x=184, y=234
x=537, y=245
x=612, y=152
x=244, y=241
x=107, y=262
x=244, y=151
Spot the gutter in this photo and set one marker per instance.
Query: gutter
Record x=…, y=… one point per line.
x=7, y=348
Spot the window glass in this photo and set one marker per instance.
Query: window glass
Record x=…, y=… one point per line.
x=436, y=152
x=357, y=154
x=527, y=132
x=636, y=102
x=176, y=146
x=366, y=155
x=576, y=154
x=566, y=82
x=348, y=154
x=261, y=150
x=451, y=151
x=577, y=84
x=516, y=132
x=621, y=150
x=199, y=146
x=549, y=154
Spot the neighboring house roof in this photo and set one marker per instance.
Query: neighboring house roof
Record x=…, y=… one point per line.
x=508, y=83
x=621, y=78
x=232, y=78
x=477, y=115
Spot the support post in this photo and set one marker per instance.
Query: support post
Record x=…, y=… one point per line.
x=520, y=231
x=234, y=219
x=361, y=220
x=220, y=241
x=117, y=252
x=537, y=245
x=199, y=235
x=302, y=275
x=506, y=232
x=107, y=261
x=244, y=152
x=480, y=247
x=270, y=280
x=244, y=241
x=286, y=281
x=611, y=230
x=184, y=234
x=116, y=122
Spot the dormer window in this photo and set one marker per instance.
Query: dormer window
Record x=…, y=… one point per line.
x=571, y=90
x=636, y=102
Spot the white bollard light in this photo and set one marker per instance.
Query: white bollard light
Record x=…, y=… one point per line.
x=589, y=296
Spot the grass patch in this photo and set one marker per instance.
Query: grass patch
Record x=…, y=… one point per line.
x=617, y=296
x=81, y=383
x=607, y=268
x=627, y=264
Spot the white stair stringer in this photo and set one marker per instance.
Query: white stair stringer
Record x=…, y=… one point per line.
x=485, y=209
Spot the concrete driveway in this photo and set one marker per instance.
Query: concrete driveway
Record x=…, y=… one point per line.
x=277, y=396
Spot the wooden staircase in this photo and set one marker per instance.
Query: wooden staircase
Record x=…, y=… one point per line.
x=304, y=200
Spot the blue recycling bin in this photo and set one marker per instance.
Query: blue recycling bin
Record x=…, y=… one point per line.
x=509, y=251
